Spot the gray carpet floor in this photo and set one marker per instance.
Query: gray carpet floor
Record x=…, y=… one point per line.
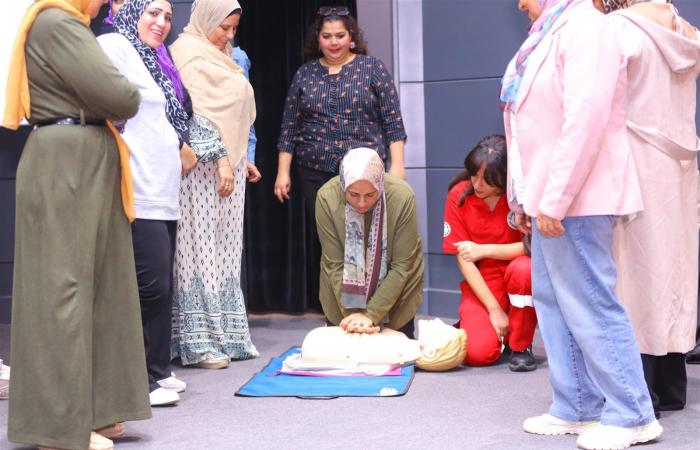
x=468, y=408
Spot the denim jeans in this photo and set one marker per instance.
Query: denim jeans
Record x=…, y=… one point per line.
x=594, y=363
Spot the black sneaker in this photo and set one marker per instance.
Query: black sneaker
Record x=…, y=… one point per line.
x=522, y=361
x=693, y=356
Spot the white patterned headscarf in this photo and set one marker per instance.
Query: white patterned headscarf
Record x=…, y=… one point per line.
x=363, y=269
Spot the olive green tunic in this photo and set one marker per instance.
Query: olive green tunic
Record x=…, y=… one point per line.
x=77, y=347
x=400, y=294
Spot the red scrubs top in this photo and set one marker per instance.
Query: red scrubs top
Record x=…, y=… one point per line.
x=474, y=222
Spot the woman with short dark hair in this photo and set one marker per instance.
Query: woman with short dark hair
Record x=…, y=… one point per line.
x=340, y=99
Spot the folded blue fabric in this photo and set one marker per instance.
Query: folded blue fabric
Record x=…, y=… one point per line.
x=267, y=383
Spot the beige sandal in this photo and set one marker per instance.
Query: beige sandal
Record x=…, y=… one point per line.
x=220, y=362
x=112, y=431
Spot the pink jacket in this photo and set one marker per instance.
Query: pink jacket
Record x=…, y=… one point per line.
x=570, y=130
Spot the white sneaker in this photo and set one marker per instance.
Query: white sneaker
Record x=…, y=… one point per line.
x=4, y=381
x=549, y=425
x=163, y=397
x=608, y=437
x=173, y=384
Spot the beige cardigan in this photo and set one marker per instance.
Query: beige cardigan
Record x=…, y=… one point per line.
x=657, y=252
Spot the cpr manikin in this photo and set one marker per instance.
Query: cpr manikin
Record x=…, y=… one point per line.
x=442, y=346
x=438, y=347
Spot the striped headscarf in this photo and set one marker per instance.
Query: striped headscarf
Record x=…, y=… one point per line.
x=363, y=271
x=510, y=85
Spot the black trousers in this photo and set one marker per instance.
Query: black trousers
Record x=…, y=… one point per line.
x=154, y=250
x=667, y=381
x=311, y=181
x=694, y=355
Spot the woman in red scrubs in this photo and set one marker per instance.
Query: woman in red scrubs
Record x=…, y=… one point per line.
x=496, y=303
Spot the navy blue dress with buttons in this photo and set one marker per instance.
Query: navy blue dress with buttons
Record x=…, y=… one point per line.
x=327, y=115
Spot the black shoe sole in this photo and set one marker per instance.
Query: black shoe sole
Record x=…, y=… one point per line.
x=522, y=367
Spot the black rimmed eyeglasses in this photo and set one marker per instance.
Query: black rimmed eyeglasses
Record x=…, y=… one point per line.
x=333, y=11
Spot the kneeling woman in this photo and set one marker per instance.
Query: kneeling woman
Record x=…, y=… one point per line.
x=496, y=304
x=371, y=251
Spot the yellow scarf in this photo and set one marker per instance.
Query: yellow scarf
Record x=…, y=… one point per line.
x=17, y=103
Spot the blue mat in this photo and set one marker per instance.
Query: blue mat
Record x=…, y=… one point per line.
x=267, y=383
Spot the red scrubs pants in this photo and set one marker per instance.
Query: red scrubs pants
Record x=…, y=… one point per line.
x=510, y=284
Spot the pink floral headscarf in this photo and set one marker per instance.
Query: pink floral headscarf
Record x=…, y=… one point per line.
x=551, y=10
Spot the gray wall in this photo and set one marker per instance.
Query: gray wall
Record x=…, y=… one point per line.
x=447, y=57
x=375, y=18
x=10, y=146
x=451, y=55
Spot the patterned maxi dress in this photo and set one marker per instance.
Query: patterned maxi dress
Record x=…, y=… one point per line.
x=209, y=315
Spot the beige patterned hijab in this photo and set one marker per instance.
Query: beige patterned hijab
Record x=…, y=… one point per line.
x=219, y=89
x=363, y=270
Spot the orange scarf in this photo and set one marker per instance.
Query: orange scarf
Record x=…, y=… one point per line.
x=17, y=103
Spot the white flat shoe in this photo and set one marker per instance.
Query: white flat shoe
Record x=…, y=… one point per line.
x=4, y=381
x=98, y=442
x=163, y=397
x=172, y=383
